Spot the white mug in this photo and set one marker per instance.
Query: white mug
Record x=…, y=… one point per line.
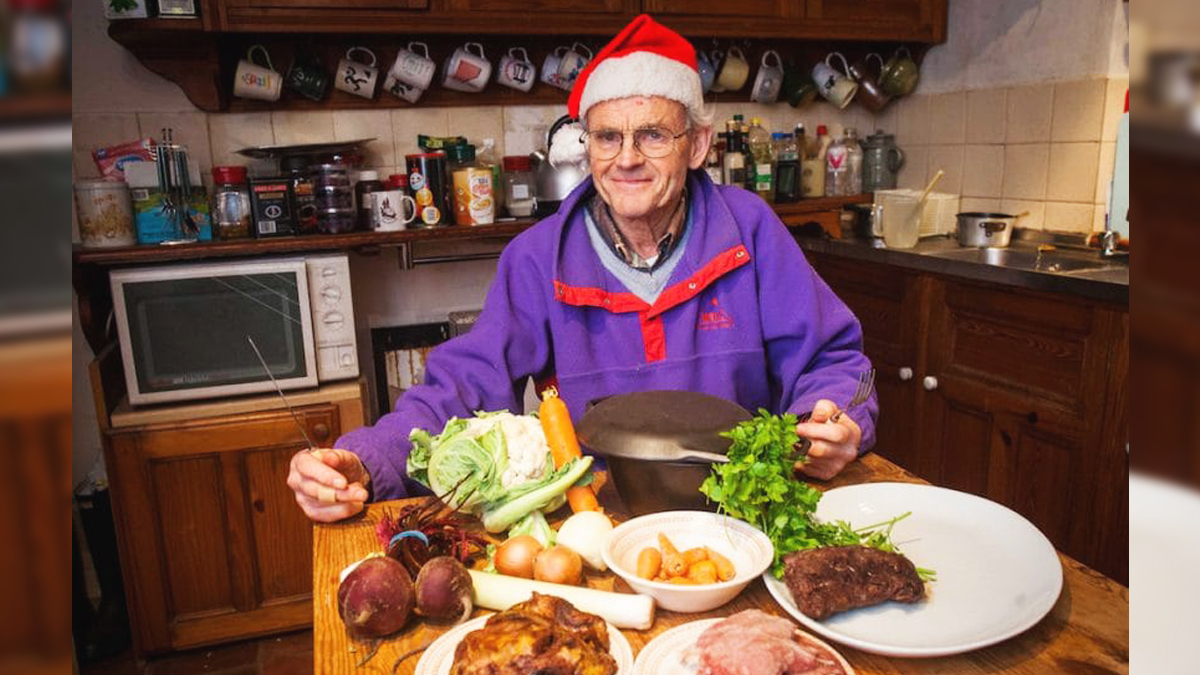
x=254, y=81
x=837, y=88
x=769, y=79
x=357, y=77
x=388, y=210
x=413, y=68
x=516, y=70
x=550, y=67
x=733, y=72
x=401, y=89
x=572, y=62
x=467, y=70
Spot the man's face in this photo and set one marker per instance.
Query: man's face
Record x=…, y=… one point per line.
x=633, y=185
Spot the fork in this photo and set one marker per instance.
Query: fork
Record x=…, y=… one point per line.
x=866, y=385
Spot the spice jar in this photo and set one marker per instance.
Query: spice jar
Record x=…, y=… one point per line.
x=518, y=186
x=473, y=203
x=368, y=182
x=304, y=200
x=231, y=202
x=333, y=198
x=105, y=213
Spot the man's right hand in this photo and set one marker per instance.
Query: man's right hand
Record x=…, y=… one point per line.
x=330, y=484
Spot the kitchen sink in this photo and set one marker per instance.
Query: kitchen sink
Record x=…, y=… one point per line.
x=1027, y=259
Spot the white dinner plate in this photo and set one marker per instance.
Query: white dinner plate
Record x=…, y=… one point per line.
x=438, y=658
x=997, y=574
x=664, y=654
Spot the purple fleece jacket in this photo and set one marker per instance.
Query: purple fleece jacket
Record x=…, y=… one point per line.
x=744, y=317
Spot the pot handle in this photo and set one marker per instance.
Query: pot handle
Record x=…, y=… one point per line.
x=993, y=226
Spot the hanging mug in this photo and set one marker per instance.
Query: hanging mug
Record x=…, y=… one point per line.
x=357, y=77
x=254, y=81
x=401, y=89
x=768, y=80
x=516, y=70
x=550, y=67
x=798, y=88
x=734, y=71
x=572, y=63
x=716, y=58
x=707, y=73
x=837, y=88
x=870, y=93
x=414, y=67
x=307, y=78
x=467, y=69
x=900, y=74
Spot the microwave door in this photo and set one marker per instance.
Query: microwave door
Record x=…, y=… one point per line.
x=187, y=336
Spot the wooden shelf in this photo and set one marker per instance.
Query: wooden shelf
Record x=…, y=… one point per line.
x=18, y=107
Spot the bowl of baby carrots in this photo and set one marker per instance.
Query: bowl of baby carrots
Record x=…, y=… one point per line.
x=688, y=561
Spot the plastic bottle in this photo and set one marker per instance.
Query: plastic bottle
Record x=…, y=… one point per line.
x=487, y=157
x=787, y=169
x=837, y=169
x=734, y=166
x=812, y=173
x=712, y=163
x=764, y=160
x=854, y=162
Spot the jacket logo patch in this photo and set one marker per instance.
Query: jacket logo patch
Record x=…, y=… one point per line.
x=715, y=318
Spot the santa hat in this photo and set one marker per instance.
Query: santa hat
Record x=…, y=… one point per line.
x=645, y=59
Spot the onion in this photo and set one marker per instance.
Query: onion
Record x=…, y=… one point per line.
x=516, y=555
x=444, y=589
x=375, y=598
x=585, y=533
x=558, y=565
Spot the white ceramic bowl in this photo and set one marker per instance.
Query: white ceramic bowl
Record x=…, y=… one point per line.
x=747, y=548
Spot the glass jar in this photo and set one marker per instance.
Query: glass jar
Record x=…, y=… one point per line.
x=368, y=182
x=304, y=200
x=334, y=199
x=519, y=194
x=231, y=211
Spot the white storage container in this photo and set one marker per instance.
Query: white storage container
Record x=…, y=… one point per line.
x=906, y=225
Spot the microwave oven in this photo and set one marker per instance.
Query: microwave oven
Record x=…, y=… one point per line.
x=183, y=329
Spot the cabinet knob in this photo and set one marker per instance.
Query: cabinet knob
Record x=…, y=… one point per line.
x=320, y=432
x=930, y=383
x=906, y=374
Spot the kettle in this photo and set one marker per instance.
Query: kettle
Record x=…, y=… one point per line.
x=554, y=183
x=881, y=162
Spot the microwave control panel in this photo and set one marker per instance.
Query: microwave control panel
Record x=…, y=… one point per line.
x=332, y=317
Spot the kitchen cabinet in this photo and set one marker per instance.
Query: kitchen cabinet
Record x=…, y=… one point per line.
x=925, y=20
x=746, y=8
x=213, y=546
x=1015, y=395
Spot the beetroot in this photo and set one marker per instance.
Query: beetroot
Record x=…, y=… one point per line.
x=444, y=589
x=376, y=598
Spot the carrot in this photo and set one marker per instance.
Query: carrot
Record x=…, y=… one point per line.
x=703, y=572
x=725, y=570
x=564, y=446
x=649, y=562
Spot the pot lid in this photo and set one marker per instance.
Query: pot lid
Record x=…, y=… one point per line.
x=653, y=424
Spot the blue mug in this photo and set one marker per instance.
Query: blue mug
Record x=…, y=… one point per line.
x=707, y=72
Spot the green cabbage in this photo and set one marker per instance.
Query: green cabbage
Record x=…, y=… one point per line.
x=479, y=460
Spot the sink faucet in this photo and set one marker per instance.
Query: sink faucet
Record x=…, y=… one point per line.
x=1108, y=245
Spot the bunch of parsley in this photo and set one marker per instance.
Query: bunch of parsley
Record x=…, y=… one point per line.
x=757, y=485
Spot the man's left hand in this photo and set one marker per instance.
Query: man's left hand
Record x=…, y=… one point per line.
x=834, y=445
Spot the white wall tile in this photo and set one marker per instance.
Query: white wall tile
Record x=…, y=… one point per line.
x=1078, y=110
x=948, y=118
x=525, y=126
x=1067, y=217
x=1029, y=113
x=979, y=205
x=914, y=121
x=355, y=124
x=189, y=130
x=1100, y=218
x=90, y=132
x=408, y=123
x=229, y=132
x=912, y=174
x=986, y=115
x=983, y=170
x=1104, y=171
x=948, y=158
x=889, y=119
x=302, y=126
x=478, y=123
x=1025, y=170
x=1072, y=174
x=1031, y=213
x=1114, y=107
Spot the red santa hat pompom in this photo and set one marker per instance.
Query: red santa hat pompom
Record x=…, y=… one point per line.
x=645, y=59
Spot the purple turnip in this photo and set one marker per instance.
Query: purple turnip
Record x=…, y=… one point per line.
x=444, y=590
x=375, y=598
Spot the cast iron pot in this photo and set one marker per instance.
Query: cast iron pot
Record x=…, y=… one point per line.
x=634, y=431
x=992, y=230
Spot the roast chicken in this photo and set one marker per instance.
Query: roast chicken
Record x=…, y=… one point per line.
x=544, y=635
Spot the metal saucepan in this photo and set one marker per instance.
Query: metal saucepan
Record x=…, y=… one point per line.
x=992, y=230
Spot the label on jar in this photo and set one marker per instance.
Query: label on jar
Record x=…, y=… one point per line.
x=520, y=191
x=430, y=215
x=473, y=204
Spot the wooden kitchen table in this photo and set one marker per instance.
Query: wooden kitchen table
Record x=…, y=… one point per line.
x=1087, y=631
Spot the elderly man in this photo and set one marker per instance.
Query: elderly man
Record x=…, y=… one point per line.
x=648, y=277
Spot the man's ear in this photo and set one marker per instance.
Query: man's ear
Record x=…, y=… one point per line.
x=701, y=138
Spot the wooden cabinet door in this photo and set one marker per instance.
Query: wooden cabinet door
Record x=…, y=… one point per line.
x=555, y=7
x=1015, y=392
x=899, y=19
x=888, y=302
x=213, y=545
x=746, y=9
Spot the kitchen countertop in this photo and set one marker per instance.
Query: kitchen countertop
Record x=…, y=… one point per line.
x=1109, y=283
x=1087, y=630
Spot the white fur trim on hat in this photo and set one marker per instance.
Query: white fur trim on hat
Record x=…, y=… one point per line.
x=567, y=146
x=642, y=74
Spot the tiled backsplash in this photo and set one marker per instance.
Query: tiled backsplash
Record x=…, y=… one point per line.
x=1046, y=149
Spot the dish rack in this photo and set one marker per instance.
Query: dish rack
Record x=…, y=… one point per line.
x=938, y=217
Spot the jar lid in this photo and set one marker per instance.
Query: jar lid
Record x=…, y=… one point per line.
x=517, y=163
x=100, y=184
x=368, y=175
x=822, y=129
x=398, y=180
x=229, y=174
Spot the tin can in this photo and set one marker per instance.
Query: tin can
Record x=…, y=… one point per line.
x=105, y=213
x=427, y=180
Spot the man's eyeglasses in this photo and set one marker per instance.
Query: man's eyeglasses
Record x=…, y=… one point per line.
x=652, y=142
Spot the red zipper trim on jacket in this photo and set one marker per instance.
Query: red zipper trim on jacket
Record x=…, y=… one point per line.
x=650, y=317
